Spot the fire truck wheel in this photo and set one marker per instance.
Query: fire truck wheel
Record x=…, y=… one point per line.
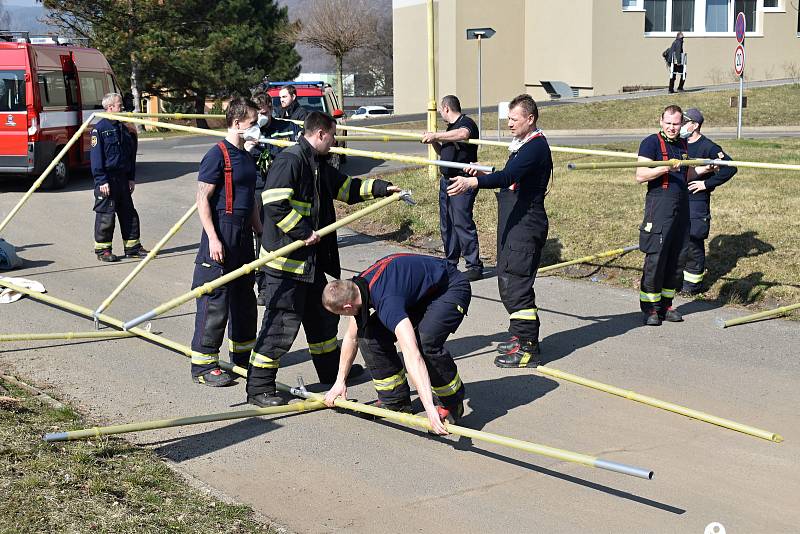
x=59, y=176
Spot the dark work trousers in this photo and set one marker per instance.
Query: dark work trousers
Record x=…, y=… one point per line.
x=459, y=234
x=677, y=72
x=662, y=236
x=233, y=304
x=693, y=257
x=118, y=202
x=517, y=263
x=434, y=320
x=291, y=303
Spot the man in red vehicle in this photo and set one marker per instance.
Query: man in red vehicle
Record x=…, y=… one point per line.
x=290, y=107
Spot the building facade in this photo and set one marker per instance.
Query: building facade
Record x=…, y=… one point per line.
x=595, y=46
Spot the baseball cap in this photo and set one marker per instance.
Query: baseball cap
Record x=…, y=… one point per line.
x=694, y=115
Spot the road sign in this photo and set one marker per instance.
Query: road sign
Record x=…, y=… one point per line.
x=738, y=60
x=741, y=27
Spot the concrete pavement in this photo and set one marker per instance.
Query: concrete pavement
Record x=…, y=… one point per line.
x=329, y=471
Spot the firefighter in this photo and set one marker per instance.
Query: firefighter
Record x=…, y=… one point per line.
x=522, y=227
x=229, y=215
x=298, y=201
x=418, y=301
x=263, y=153
x=665, y=228
x=290, y=107
x=693, y=256
x=113, y=162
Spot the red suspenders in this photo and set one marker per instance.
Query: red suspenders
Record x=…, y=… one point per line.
x=665, y=155
x=380, y=266
x=229, y=178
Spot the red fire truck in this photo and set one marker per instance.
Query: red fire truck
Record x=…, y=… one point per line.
x=48, y=87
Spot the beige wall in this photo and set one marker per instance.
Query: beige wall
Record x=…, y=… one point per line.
x=577, y=42
x=457, y=58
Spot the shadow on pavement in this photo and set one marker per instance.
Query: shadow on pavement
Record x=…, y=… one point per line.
x=561, y=344
x=492, y=399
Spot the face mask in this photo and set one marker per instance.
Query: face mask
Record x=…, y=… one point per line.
x=685, y=133
x=263, y=120
x=252, y=134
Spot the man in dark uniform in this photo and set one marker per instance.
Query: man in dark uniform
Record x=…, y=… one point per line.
x=290, y=107
x=298, y=201
x=113, y=163
x=693, y=257
x=522, y=227
x=225, y=203
x=418, y=301
x=665, y=228
x=459, y=234
x=264, y=153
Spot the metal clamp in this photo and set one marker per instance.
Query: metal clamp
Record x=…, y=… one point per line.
x=406, y=196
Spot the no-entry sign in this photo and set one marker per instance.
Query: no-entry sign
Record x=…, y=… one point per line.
x=738, y=60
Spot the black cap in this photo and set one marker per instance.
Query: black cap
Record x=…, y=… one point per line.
x=694, y=115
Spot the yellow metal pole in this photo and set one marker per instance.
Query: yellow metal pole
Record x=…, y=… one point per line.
x=249, y=267
x=46, y=172
x=278, y=142
x=422, y=422
x=681, y=162
x=432, y=174
x=96, y=432
x=656, y=403
x=585, y=259
x=486, y=142
x=176, y=116
x=150, y=256
x=381, y=138
x=66, y=335
x=761, y=315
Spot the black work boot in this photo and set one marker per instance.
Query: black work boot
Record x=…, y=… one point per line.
x=136, y=253
x=266, y=399
x=524, y=354
x=403, y=406
x=652, y=319
x=672, y=315
x=215, y=378
x=107, y=256
x=506, y=346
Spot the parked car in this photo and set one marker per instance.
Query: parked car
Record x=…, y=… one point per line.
x=314, y=96
x=369, y=112
x=48, y=87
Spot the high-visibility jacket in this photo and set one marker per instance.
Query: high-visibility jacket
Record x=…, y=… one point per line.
x=298, y=199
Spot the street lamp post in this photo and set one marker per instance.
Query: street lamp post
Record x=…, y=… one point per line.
x=480, y=34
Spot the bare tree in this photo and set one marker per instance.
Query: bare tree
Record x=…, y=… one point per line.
x=337, y=27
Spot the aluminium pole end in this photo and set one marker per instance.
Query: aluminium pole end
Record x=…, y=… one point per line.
x=720, y=322
x=571, y=166
x=55, y=436
x=405, y=196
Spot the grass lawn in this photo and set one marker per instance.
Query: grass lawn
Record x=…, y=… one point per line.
x=753, y=249
x=762, y=110
x=103, y=485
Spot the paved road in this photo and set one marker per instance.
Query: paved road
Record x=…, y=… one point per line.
x=329, y=471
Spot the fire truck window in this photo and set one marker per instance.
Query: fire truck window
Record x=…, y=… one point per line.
x=92, y=89
x=112, y=85
x=12, y=90
x=53, y=89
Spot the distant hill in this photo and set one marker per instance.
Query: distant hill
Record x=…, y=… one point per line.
x=25, y=18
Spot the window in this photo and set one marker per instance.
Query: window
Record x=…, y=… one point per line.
x=702, y=17
x=92, y=89
x=53, y=89
x=773, y=5
x=12, y=90
x=655, y=18
x=748, y=7
x=717, y=15
x=631, y=5
x=682, y=15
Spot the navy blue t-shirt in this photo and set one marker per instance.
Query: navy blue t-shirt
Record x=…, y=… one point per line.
x=650, y=148
x=401, y=282
x=211, y=171
x=459, y=151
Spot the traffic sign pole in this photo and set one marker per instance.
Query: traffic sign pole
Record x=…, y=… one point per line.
x=738, y=64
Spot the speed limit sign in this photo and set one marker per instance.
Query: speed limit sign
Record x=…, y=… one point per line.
x=738, y=60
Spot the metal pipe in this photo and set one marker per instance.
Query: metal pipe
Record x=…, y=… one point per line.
x=66, y=335
x=249, y=267
x=96, y=432
x=656, y=403
x=381, y=138
x=431, y=116
x=334, y=150
x=46, y=172
x=585, y=259
x=761, y=315
x=487, y=142
x=176, y=116
x=682, y=163
x=422, y=422
x=150, y=256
